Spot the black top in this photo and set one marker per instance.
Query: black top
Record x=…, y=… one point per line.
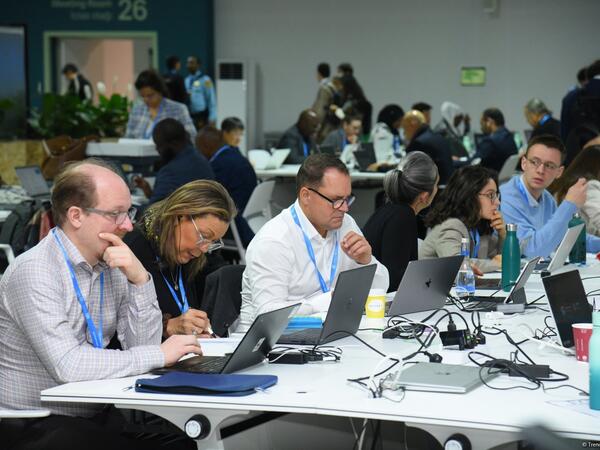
x=176, y=87
x=392, y=233
x=426, y=141
x=550, y=126
x=495, y=148
x=293, y=139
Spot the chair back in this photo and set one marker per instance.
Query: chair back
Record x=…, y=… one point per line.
x=222, y=299
x=508, y=168
x=258, y=209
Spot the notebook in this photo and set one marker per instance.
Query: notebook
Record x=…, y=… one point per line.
x=252, y=349
x=345, y=310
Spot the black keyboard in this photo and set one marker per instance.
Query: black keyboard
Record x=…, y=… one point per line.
x=305, y=336
x=484, y=303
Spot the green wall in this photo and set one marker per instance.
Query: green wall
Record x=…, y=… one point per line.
x=183, y=27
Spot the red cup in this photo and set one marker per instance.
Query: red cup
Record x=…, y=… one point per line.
x=581, y=335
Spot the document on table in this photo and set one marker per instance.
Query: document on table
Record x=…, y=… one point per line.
x=581, y=406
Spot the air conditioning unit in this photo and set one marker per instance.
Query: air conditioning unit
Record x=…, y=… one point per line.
x=236, y=96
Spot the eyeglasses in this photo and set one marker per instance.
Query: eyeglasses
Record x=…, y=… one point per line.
x=336, y=204
x=118, y=216
x=537, y=163
x=212, y=245
x=491, y=195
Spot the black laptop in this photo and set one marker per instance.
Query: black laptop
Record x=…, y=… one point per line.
x=568, y=303
x=365, y=156
x=345, y=310
x=252, y=349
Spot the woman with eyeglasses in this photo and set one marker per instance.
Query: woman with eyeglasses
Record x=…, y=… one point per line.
x=469, y=208
x=172, y=241
x=392, y=229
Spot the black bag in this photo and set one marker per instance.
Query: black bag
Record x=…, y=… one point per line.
x=17, y=231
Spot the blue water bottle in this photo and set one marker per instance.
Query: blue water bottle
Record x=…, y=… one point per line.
x=594, y=359
x=511, y=258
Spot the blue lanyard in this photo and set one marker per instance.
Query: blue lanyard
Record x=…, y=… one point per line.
x=544, y=119
x=396, y=143
x=218, y=152
x=311, y=254
x=344, y=143
x=475, y=239
x=521, y=188
x=183, y=303
x=148, y=133
x=305, y=149
x=95, y=333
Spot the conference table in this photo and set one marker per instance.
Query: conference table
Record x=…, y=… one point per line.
x=486, y=416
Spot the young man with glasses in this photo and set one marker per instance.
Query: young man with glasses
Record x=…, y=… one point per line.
x=527, y=203
x=298, y=255
x=63, y=300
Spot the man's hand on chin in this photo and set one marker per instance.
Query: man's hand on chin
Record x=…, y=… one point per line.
x=356, y=247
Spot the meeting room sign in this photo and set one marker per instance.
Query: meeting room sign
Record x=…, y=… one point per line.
x=102, y=10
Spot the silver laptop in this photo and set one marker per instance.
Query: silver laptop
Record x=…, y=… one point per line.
x=563, y=250
x=437, y=377
x=425, y=285
x=33, y=181
x=277, y=158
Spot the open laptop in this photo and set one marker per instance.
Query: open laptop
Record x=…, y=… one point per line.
x=328, y=149
x=278, y=156
x=425, y=285
x=449, y=378
x=33, y=182
x=365, y=156
x=568, y=303
x=562, y=252
x=345, y=310
x=516, y=293
x=252, y=349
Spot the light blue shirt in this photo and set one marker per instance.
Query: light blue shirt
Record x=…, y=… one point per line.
x=541, y=225
x=202, y=94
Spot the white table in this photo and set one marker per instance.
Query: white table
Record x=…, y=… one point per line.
x=290, y=171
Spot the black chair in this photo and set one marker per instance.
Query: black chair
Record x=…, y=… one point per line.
x=222, y=297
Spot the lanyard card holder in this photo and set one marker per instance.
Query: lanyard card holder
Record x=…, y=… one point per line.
x=231, y=385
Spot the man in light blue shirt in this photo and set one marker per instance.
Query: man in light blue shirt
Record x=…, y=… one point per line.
x=525, y=201
x=201, y=91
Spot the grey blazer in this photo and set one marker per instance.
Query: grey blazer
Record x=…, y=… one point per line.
x=445, y=238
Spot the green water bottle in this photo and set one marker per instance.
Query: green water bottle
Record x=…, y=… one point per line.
x=577, y=255
x=511, y=257
x=594, y=360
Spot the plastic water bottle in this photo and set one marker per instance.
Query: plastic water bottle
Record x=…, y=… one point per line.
x=465, y=280
x=594, y=359
x=511, y=257
x=468, y=145
x=578, y=252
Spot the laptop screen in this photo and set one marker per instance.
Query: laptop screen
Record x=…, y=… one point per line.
x=32, y=180
x=568, y=303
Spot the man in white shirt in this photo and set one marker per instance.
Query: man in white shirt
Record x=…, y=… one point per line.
x=297, y=256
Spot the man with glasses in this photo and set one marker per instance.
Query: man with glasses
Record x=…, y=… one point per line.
x=527, y=203
x=297, y=256
x=63, y=300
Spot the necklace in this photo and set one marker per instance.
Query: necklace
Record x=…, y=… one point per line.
x=175, y=286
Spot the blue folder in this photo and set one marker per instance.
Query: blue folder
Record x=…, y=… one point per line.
x=233, y=385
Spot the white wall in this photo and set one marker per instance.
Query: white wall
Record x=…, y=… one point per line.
x=407, y=51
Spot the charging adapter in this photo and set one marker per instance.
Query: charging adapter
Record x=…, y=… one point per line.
x=287, y=357
x=532, y=370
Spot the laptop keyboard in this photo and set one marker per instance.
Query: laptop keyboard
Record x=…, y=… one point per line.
x=209, y=365
x=306, y=336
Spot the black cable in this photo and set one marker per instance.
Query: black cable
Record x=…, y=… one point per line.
x=581, y=391
x=536, y=300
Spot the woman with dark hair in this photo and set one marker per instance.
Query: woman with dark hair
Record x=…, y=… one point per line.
x=585, y=165
x=385, y=135
x=354, y=102
x=467, y=208
x=392, y=230
x=172, y=240
x=154, y=107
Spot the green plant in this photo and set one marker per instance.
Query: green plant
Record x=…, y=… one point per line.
x=68, y=114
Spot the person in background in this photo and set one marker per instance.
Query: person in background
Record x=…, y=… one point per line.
x=385, y=135
x=232, y=130
x=454, y=126
x=231, y=169
x=582, y=106
x=425, y=108
x=497, y=144
x=392, y=229
x=298, y=255
x=174, y=81
x=60, y=304
x=355, y=102
x=345, y=69
x=201, y=92
x=180, y=161
x=172, y=241
x=78, y=84
x=540, y=118
x=326, y=96
x=300, y=137
x=469, y=208
x=585, y=165
x=349, y=134
x=527, y=203
x=420, y=137
x=154, y=107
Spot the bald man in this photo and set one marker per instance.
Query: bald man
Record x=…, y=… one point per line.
x=300, y=137
x=61, y=303
x=421, y=137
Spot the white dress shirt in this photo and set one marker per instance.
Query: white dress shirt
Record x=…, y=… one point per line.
x=279, y=271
